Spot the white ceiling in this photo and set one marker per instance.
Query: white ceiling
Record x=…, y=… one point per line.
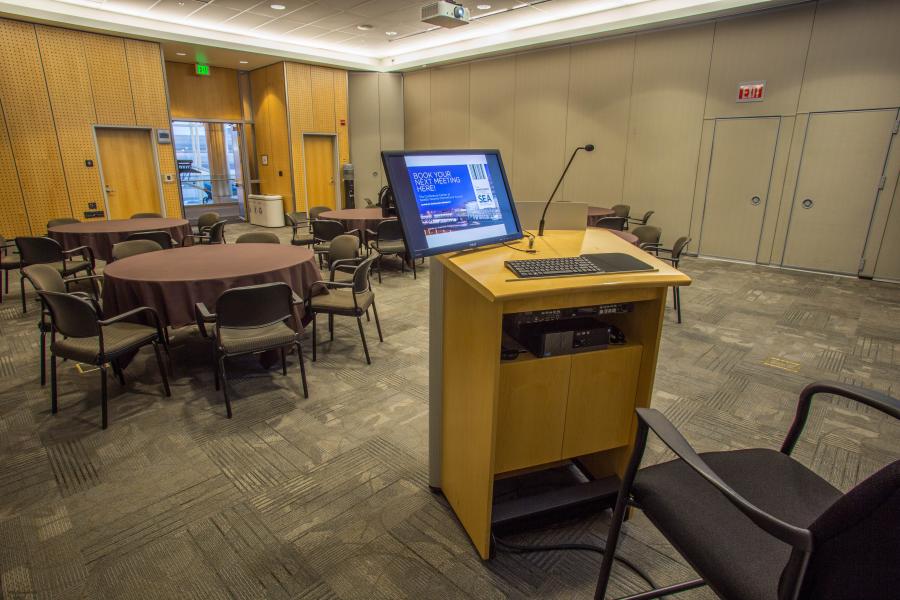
x=327, y=31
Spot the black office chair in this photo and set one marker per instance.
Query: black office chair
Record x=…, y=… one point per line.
x=257, y=237
x=642, y=220
x=315, y=211
x=42, y=250
x=207, y=220
x=162, y=238
x=130, y=248
x=250, y=320
x=301, y=232
x=388, y=239
x=79, y=333
x=617, y=223
x=648, y=237
x=674, y=257
x=325, y=230
x=7, y=263
x=621, y=210
x=756, y=524
x=214, y=235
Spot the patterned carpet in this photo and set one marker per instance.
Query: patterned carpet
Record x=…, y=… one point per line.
x=327, y=497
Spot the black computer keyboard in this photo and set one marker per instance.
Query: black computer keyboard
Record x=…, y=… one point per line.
x=552, y=267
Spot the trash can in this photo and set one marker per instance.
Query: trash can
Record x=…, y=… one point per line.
x=266, y=211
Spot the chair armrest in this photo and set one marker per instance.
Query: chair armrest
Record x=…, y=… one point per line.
x=790, y=534
x=877, y=400
x=661, y=249
x=86, y=252
x=327, y=285
x=296, y=299
x=655, y=246
x=369, y=232
x=136, y=311
x=203, y=316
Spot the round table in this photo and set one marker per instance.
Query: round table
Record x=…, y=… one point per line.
x=356, y=218
x=595, y=213
x=100, y=236
x=173, y=281
x=628, y=237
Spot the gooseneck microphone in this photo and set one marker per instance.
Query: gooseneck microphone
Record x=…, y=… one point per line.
x=586, y=148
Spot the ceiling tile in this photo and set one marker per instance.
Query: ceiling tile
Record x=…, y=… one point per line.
x=246, y=20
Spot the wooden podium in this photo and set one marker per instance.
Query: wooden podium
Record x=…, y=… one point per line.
x=492, y=418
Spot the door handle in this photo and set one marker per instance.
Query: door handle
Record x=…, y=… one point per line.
x=807, y=203
x=755, y=200
x=109, y=190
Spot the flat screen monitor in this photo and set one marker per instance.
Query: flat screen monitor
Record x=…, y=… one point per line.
x=451, y=199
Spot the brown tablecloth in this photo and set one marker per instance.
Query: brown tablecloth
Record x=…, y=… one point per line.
x=173, y=281
x=628, y=237
x=356, y=218
x=100, y=236
x=595, y=213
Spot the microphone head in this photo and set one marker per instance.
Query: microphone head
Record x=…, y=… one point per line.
x=589, y=147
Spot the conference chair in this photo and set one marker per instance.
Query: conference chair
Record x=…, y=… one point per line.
x=674, y=257
x=641, y=220
x=42, y=250
x=351, y=299
x=755, y=524
x=387, y=239
x=301, y=233
x=146, y=215
x=214, y=235
x=648, y=237
x=258, y=237
x=617, y=223
x=87, y=338
x=324, y=231
x=61, y=221
x=251, y=320
x=621, y=210
x=205, y=221
x=7, y=263
x=162, y=238
x=315, y=211
x=45, y=278
x=343, y=257
x=133, y=248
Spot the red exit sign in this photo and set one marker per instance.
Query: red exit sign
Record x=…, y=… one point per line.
x=751, y=91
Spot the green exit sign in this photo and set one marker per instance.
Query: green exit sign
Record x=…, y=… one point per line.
x=202, y=69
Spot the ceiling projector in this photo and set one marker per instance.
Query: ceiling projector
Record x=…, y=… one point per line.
x=445, y=14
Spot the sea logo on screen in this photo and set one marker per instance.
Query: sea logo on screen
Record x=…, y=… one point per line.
x=484, y=192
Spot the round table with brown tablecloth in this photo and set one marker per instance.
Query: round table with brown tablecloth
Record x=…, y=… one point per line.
x=173, y=281
x=595, y=213
x=100, y=236
x=628, y=237
x=356, y=218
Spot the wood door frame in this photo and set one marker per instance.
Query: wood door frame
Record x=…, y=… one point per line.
x=338, y=197
x=160, y=195
x=712, y=151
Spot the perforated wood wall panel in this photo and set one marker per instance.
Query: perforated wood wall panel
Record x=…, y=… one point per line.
x=13, y=219
x=29, y=122
x=69, y=85
x=110, y=79
x=299, y=105
x=342, y=112
x=322, y=81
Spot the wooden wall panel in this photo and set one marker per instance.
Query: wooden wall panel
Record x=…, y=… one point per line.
x=300, y=117
x=13, y=217
x=542, y=89
x=192, y=96
x=110, y=80
x=322, y=81
x=69, y=86
x=417, y=110
x=669, y=93
x=341, y=113
x=853, y=57
x=450, y=107
x=770, y=46
x=598, y=110
x=272, y=139
x=492, y=123
x=29, y=122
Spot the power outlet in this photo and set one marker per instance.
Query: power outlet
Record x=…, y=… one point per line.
x=169, y=178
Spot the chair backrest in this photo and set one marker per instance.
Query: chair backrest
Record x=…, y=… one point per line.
x=343, y=247
x=361, y=275
x=617, y=223
x=647, y=234
x=147, y=215
x=326, y=230
x=560, y=215
x=254, y=306
x=679, y=246
x=133, y=247
x=39, y=250
x=296, y=217
x=389, y=230
x=160, y=237
x=621, y=210
x=45, y=278
x=315, y=211
x=217, y=232
x=856, y=543
x=207, y=220
x=647, y=216
x=61, y=221
x=258, y=237
x=72, y=316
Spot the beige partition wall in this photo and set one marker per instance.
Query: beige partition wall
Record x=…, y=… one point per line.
x=659, y=105
x=376, y=111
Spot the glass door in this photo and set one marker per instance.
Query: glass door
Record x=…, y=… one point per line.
x=210, y=167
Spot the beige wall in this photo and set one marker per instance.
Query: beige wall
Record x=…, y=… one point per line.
x=649, y=102
x=376, y=111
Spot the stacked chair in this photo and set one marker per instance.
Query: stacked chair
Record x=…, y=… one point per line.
x=42, y=250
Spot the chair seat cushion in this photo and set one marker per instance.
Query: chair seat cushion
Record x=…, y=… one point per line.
x=341, y=301
x=302, y=239
x=738, y=559
x=72, y=266
x=322, y=246
x=117, y=338
x=388, y=246
x=255, y=339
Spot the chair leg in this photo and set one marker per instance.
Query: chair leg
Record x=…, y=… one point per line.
x=22, y=286
x=283, y=362
x=368, y=318
x=43, y=358
x=379, y=267
x=162, y=368
x=314, y=337
x=224, y=385
x=215, y=366
x=362, y=334
x=331, y=327
x=6, y=280
x=377, y=322
x=104, y=398
x=413, y=261
x=678, y=303
x=302, y=370
x=117, y=370
x=53, y=389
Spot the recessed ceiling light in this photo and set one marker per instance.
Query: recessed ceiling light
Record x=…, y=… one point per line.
x=483, y=7
x=364, y=27
x=390, y=33
x=277, y=6
x=243, y=62
x=180, y=54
